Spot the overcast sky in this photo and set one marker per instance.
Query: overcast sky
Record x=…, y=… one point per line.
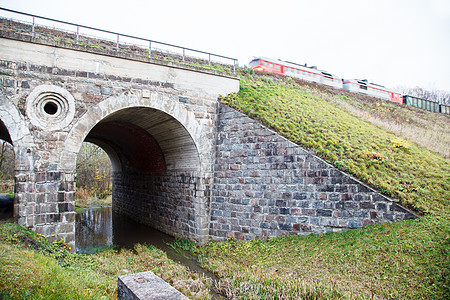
x=390, y=42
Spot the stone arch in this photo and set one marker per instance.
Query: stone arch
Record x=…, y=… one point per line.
x=14, y=130
x=163, y=104
x=166, y=191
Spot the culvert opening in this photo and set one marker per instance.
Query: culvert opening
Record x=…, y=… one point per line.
x=51, y=108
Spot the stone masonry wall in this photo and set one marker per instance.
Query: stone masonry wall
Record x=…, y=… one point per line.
x=166, y=201
x=267, y=186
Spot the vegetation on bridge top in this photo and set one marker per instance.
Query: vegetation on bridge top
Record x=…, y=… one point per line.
x=102, y=45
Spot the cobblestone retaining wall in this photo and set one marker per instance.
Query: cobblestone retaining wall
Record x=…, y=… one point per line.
x=266, y=186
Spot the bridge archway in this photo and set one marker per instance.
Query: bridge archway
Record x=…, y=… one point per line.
x=157, y=171
x=13, y=129
x=6, y=173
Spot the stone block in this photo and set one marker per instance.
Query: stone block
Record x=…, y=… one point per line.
x=146, y=285
x=300, y=196
x=366, y=205
x=324, y=213
x=354, y=223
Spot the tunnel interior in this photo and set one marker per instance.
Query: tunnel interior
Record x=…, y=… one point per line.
x=155, y=168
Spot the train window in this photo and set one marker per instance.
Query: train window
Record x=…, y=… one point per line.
x=327, y=75
x=362, y=85
x=254, y=62
x=277, y=67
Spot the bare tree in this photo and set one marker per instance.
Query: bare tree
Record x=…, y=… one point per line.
x=440, y=96
x=6, y=161
x=94, y=170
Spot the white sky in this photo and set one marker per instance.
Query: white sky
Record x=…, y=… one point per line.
x=390, y=42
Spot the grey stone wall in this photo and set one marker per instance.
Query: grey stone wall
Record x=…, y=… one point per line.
x=266, y=186
x=167, y=201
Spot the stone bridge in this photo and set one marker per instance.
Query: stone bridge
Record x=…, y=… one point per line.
x=182, y=162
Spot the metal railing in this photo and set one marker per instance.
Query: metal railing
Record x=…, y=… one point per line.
x=120, y=46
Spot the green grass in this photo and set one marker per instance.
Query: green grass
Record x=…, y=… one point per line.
x=399, y=168
x=403, y=260
x=33, y=268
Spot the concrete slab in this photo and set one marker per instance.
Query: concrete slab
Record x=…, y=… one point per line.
x=146, y=285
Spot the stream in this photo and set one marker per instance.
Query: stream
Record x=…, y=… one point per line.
x=98, y=228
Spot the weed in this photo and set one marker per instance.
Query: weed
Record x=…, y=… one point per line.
x=399, y=143
x=180, y=245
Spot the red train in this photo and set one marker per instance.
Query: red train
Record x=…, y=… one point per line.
x=312, y=74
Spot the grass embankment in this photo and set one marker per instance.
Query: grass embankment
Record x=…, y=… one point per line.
x=401, y=169
x=33, y=268
x=404, y=260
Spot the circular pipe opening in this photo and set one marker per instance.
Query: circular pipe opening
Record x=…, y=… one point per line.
x=51, y=108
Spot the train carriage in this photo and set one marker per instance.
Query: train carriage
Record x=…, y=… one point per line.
x=445, y=109
x=312, y=74
x=296, y=70
x=421, y=103
x=371, y=89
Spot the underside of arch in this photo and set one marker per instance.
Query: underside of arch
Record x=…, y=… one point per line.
x=130, y=147
x=156, y=169
x=136, y=127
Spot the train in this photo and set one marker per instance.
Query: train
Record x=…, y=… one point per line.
x=362, y=86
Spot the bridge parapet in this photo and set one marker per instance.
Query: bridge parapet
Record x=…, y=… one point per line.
x=75, y=36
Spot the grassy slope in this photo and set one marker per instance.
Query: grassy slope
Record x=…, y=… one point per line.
x=404, y=260
x=32, y=268
x=415, y=176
